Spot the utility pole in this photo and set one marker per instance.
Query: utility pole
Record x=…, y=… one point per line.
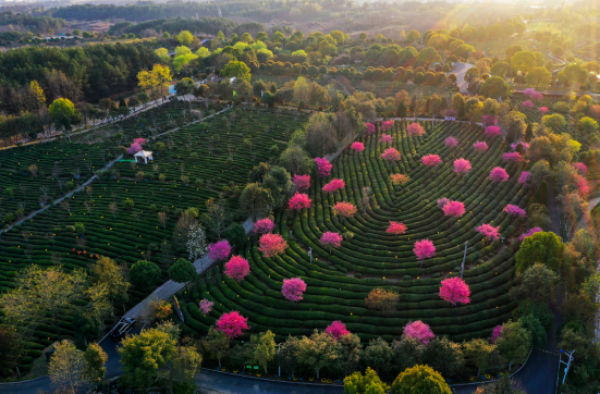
x=462, y=267
x=568, y=364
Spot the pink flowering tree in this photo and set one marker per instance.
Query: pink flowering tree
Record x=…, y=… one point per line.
x=498, y=174
x=462, y=166
x=386, y=125
x=323, y=166
x=335, y=184
x=455, y=290
x=232, y=324
x=293, y=289
x=237, y=268
x=528, y=104
x=451, y=142
x=357, y=146
x=424, y=249
x=206, y=306
x=496, y=334
x=399, y=179
x=524, y=178
x=396, y=228
x=530, y=232
x=333, y=240
x=454, y=210
x=490, y=232
x=391, y=155
x=582, y=184
x=344, y=210
x=299, y=201
x=133, y=149
x=302, y=182
x=386, y=139
x=370, y=129
x=431, y=161
x=515, y=157
x=219, y=251
x=419, y=331
x=264, y=226
x=543, y=110
x=415, y=130
x=533, y=94
x=489, y=120
x=480, y=146
x=442, y=202
x=337, y=330
x=272, y=245
x=514, y=210
x=580, y=168
x=493, y=131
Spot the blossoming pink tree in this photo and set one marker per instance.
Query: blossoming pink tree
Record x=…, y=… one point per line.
x=462, y=166
x=370, y=128
x=533, y=94
x=489, y=120
x=528, y=104
x=299, y=201
x=415, y=130
x=337, y=329
x=386, y=139
x=237, y=268
x=344, y=209
x=454, y=210
x=302, y=182
x=431, y=161
x=333, y=240
x=293, y=289
x=419, y=331
x=451, y=142
x=206, y=306
x=386, y=125
x=272, y=245
x=264, y=226
x=442, y=202
x=455, y=290
x=524, y=178
x=515, y=210
x=580, y=168
x=543, y=110
x=513, y=156
x=323, y=166
x=530, y=232
x=133, y=149
x=357, y=146
x=232, y=324
x=496, y=333
x=219, y=251
x=493, y=131
x=424, y=249
x=335, y=184
x=582, y=185
x=490, y=232
x=480, y=146
x=396, y=228
x=498, y=174
x=391, y=155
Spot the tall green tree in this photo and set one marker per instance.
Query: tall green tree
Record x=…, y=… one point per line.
x=144, y=275
x=183, y=271
x=514, y=343
x=64, y=115
x=543, y=247
x=318, y=351
x=95, y=359
x=378, y=354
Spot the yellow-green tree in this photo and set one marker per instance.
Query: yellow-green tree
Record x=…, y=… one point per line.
x=185, y=38
x=38, y=92
x=67, y=367
x=106, y=272
x=95, y=360
x=63, y=113
x=236, y=69
x=420, y=380
x=159, y=77
x=369, y=383
x=163, y=54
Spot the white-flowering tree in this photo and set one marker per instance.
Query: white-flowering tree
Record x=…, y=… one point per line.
x=196, y=242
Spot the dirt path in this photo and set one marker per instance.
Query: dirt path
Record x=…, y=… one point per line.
x=460, y=69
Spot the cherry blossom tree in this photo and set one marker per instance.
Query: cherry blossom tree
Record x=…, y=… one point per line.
x=302, y=182
x=580, y=168
x=454, y=209
x=232, y=324
x=396, y=228
x=480, y=146
x=399, y=179
x=498, y=174
x=415, y=130
x=489, y=120
x=370, y=128
x=219, y=250
x=293, y=289
x=344, y=209
x=528, y=104
x=337, y=330
x=493, y=131
x=386, y=125
x=386, y=139
x=451, y=142
x=335, y=184
x=582, y=185
x=490, y=232
x=333, y=240
x=455, y=290
x=533, y=94
x=513, y=156
x=206, y=306
x=524, y=178
x=431, y=160
x=424, y=249
x=299, y=201
x=357, y=146
x=515, y=210
x=462, y=166
x=391, y=155
x=272, y=245
x=530, y=232
x=323, y=166
x=133, y=149
x=543, y=110
x=442, y=202
x=237, y=268
x=496, y=333
x=264, y=226
x=419, y=331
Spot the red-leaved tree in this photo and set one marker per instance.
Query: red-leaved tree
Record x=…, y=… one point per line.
x=333, y=240
x=293, y=289
x=455, y=290
x=399, y=179
x=419, y=331
x=344, y=209
x=237, y=268
x=357, y=146
x=396, y=228
x=335, y=184
x=299, y=201
x=272, y=245
x=337, y=329
x=232, y=324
